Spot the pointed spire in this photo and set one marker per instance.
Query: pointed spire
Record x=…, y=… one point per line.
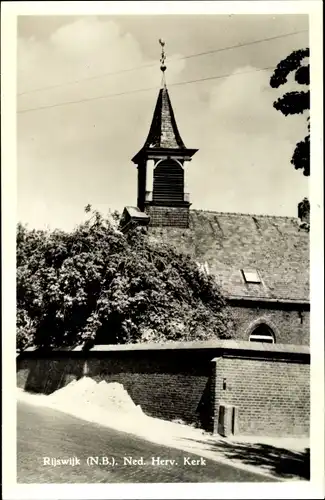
x=163, y=135
x=163, y=131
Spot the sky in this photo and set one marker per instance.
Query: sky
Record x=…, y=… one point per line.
x=80, y=153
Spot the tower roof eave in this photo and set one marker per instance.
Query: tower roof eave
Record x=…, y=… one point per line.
x=152, y=153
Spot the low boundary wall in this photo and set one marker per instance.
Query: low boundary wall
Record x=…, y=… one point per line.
x=266, y=385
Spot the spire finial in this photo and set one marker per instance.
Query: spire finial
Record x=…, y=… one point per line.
x=162, y=59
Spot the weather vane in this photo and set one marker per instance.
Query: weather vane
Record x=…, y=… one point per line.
x=163, y=55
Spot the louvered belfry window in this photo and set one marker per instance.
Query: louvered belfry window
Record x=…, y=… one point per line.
x=168, y=183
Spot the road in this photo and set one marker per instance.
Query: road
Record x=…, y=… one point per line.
x=44, y=432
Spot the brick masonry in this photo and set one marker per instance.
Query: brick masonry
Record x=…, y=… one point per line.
x=271, y=396
x=168, y=216
x=268, y=383
x=290, y=326
x=167, y=385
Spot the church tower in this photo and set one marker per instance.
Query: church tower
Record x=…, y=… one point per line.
x=163, y=197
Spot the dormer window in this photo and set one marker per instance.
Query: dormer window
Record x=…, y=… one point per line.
x=251, y=276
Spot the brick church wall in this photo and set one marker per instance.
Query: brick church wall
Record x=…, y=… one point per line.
x=290, y=325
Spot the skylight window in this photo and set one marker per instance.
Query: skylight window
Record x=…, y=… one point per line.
x=251, y=276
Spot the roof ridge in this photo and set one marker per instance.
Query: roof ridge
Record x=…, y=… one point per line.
x=245, y=214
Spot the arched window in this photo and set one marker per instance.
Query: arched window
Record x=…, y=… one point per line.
x=262, y=333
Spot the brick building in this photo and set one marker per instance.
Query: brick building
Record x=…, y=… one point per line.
x=261, y=262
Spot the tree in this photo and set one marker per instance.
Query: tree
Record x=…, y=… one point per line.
x=96, y=284
x=295, y=102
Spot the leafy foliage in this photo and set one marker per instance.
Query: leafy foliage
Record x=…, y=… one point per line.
x=301, y=155
x=295, y=102
x=291, y=63
x=95, y=284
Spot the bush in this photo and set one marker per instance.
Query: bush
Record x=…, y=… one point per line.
x=95, y=284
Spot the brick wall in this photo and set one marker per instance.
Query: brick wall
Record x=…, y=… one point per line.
x=291, y=326
x=166, y=384
x=45, y=374
x=269, y=383
x=168, y=216
x=170, y=385
x=271, y=396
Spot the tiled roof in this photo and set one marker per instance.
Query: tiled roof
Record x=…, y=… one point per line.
x=163, y=131
x=228, y=242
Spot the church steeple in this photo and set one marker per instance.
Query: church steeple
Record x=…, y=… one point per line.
x=163, y=132
x=166, y=148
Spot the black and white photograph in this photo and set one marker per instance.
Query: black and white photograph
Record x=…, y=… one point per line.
x=164, y=218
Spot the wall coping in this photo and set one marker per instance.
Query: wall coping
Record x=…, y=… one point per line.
x=223, y=345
